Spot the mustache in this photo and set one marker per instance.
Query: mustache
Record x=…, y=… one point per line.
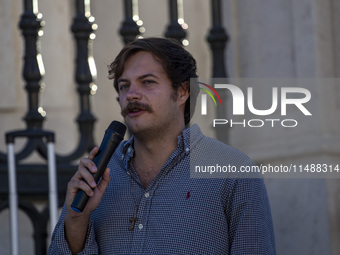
x=135, y=105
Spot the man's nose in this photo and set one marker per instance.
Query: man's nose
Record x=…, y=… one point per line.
x=133, y=93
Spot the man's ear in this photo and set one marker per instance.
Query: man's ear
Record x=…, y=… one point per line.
x=183, y=92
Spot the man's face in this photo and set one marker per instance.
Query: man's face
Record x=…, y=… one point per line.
x=149, y=103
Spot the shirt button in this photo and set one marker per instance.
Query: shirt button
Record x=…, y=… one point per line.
x=187, y=149
x=146, y=195
x=140, y=226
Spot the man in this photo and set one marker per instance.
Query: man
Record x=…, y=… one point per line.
x=151, y=205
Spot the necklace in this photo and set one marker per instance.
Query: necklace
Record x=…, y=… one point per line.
x=133, y=219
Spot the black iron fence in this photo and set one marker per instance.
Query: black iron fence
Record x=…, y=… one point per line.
x=32, y=180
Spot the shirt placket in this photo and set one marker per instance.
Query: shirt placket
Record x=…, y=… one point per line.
x=140, y=229
x=144, y=209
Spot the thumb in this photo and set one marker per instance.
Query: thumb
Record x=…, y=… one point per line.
x=104, y=182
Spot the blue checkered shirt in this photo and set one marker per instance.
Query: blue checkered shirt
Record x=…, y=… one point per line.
x=178, y=214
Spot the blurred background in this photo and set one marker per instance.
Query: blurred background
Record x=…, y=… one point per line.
x=53, y=70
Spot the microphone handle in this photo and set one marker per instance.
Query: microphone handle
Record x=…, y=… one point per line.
x=109, y=144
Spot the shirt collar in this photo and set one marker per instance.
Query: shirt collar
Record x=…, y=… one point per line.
x=186, y=139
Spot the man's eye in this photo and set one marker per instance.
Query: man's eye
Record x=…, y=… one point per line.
x=123, y=87
x=146, y=82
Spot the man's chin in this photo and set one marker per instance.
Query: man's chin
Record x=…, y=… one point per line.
x=142, y=131
x=134, y=128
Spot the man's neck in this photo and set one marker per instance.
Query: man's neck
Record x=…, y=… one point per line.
x=152, y=153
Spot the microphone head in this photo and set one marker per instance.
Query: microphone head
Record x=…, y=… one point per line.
x=117, y=127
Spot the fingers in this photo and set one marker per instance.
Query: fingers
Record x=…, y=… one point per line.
x=83, y=178
x=86, y=167
x=95, y=194
x=74, y=185
x=93, y=153
x=85, y=170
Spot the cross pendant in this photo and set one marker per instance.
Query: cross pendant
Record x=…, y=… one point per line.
x=133, y=222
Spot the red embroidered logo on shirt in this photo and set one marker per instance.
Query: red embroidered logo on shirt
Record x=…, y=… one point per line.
x=188, y=195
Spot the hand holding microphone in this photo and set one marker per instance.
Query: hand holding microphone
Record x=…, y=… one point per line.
x=113, y=136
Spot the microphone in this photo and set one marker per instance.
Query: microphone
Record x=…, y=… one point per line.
x=114, y=134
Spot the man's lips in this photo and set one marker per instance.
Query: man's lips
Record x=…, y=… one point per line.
x=135, y=109
x=135, y=113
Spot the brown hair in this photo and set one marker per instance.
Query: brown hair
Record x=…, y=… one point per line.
x=178, y=63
